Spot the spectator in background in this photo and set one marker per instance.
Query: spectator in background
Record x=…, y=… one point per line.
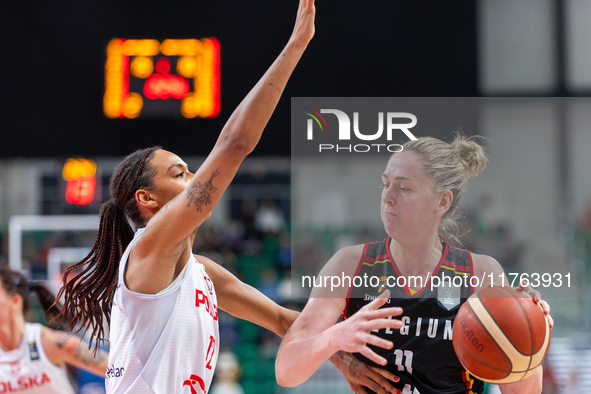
x=247, y=218
x=269, y=219
x=227, y=374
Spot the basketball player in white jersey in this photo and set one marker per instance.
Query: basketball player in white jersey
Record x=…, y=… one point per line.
x=160, y=298
x=32, y=356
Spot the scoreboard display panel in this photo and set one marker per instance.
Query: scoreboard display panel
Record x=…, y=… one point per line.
x=148, y=78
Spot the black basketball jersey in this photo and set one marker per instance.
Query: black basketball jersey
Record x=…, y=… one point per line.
x=423, y=355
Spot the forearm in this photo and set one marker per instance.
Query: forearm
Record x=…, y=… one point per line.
x=247, y=122
x=531, y=385
x=61, y=347
x=252, y=305
x=286, y=319
x=297, y=360
x=86, y=359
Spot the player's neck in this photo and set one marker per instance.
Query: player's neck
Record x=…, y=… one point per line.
x=11, y=334
x=418, y=256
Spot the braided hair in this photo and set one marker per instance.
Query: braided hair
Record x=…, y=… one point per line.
x=89, y=294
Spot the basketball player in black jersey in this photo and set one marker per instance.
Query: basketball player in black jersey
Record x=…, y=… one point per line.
x=422, y=186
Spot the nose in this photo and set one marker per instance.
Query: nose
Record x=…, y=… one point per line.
x=388, y=196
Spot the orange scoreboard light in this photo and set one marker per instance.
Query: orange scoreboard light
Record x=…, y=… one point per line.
x=162, y=78
x=80, y=175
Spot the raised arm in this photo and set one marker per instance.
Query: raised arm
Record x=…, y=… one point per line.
x=62, y=347
x=153, y=261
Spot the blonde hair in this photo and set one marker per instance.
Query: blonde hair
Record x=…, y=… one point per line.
x=450, y=165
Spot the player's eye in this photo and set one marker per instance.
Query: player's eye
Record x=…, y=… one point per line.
x=180, y=175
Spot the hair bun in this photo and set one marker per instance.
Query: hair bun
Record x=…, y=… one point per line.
x=471, y=154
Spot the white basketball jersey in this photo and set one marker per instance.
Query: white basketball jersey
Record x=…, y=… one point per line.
x=27, y=369
x=167, y=342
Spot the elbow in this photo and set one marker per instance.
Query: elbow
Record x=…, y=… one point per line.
x=280, y=379
x=284, y=378
x=238, y=146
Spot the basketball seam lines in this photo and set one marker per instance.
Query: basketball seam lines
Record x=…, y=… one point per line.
x=483, y=363
x=488, y=314
x=482, y=324
x=526, y=319
x=531, y=336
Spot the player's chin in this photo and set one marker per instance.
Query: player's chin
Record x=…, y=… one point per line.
x=391, y=228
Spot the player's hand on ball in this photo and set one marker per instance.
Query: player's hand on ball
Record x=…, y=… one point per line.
x=523, y=286
x=354, y=334
x=304, y=29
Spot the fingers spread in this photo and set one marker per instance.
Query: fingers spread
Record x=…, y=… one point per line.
x=378, y=302
x=376, y=341
x=385, y=373
x=376, y=387
x=370, y=354
x=384, y=312
x=372, y=373
x=378, y=324
x=359, y=390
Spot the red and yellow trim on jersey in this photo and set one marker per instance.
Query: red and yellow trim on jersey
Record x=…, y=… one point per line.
x=469, y=382
x=380, y=259
x=376, y=262
x=455, y=270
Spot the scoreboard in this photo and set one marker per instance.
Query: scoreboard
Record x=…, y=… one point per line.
x=148, y=78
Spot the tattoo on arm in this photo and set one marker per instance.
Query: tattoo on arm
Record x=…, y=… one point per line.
x=163, y=209
x=278, y=89
x=87, y=356
x=200, y=194
x=61, y=340
x=280, y=56
x=81, y=352
x=270, y=84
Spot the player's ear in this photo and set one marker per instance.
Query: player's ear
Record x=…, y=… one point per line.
x=444, y=202
x=145, y=199
x=16, y=302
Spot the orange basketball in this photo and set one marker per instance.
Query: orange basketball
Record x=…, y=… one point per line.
x=501, y=335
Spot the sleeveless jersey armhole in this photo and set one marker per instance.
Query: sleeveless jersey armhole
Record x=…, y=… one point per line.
x=344, y=314
x=471, y=262
x=175, y=285
x=177, y=281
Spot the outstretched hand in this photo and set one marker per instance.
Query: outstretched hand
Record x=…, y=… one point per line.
x=303, y=30
x=354, y=334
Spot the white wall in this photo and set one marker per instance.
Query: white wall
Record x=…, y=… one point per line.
x=516, y=46
x=578, y=51
x=579, y=119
